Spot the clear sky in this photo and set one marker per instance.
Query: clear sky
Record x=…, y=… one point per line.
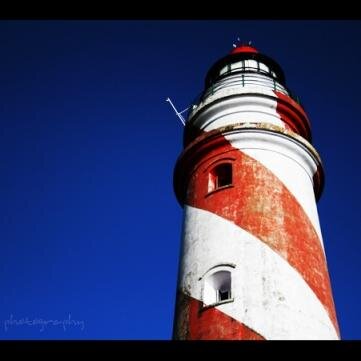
x=89, y=224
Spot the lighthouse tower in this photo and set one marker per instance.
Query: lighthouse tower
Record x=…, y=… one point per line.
x=253, y=263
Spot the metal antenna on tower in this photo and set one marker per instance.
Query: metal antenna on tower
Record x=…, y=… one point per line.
x=179, y=114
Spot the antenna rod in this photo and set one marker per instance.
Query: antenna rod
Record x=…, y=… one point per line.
x=179, y=115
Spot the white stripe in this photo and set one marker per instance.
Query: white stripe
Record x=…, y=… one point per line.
x=288, y=166
x=251, y=105
x=270, y=296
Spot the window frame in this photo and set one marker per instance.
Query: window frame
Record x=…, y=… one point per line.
x=223, y=267
x=213, y=178
x=221, y=293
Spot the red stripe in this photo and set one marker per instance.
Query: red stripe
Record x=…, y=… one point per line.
x=261, y=204
x=208, y=324
x=293, y=115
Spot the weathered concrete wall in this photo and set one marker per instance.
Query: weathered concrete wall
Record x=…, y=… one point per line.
x=266, y=224
x=263, y=229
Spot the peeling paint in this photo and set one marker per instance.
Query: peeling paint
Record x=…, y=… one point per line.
x=264, y=222
x=268, y=210
x=209, y=324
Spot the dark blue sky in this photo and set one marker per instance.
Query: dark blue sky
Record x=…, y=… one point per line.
x=89, y=224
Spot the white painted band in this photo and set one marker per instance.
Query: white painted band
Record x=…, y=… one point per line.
x=252, y=105
x=270, y=296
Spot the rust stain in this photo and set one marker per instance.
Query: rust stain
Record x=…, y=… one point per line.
x=260, y=203
x=209, y=324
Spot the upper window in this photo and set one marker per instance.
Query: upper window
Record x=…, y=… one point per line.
x=264, y=67
x=238, y=66
x=251, y=64
x=223, y=70
x=220, y=176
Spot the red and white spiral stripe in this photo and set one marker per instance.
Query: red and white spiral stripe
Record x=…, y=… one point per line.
x=266, y=224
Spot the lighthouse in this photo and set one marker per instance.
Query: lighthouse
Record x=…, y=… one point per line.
x=252, y=262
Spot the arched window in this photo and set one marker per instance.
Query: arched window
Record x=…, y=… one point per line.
x=217, y=287
x=220, y=176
